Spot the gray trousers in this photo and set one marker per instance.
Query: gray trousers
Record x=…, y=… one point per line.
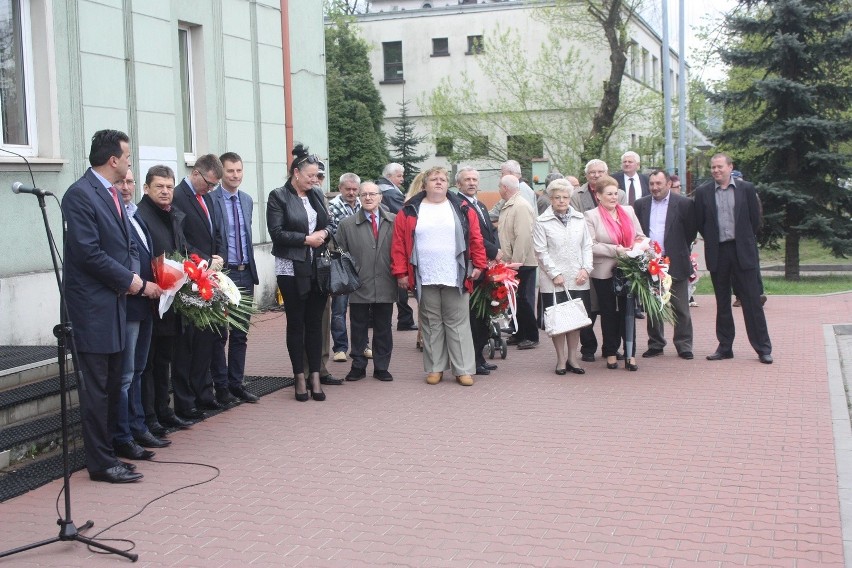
x=682, y=328
x=445, y=324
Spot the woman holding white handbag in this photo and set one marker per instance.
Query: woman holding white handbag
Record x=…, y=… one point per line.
x=563, y=247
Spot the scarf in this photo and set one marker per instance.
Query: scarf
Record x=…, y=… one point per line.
x=619, y=235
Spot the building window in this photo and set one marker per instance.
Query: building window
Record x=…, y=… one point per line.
x=655, y=77
x=478, y=146
x=524, y=148
x=645, y=56
x=392, y=51
x=440, y=47
x=187, y=91
x=474, y=45
x=634, y=60
x=443, y=146
x=16, y=76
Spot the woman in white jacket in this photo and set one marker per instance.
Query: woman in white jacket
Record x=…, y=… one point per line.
x=563, y=248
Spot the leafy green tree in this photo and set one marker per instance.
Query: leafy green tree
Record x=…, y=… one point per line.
x=355, y=109
x=404, y=143
x=787, y=106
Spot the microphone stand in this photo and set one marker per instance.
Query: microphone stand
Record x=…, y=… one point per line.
x=64, y=337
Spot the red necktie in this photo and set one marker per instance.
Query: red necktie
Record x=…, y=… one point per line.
x=203, y=206
x=114, y=192
x=375, y=226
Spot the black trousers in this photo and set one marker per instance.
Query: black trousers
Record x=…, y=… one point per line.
x=480, y=330
x=404, y=312
x=612, y=312
x=191, y=370
x=749, y=286
x=99, y=392
x=527, y=326
x=230, y=372
x=380, y=316
x=155, y=379
x=304, y=324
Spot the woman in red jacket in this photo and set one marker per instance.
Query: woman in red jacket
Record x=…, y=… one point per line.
x=437, y=249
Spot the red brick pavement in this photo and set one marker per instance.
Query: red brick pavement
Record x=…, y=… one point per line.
x=684, y=463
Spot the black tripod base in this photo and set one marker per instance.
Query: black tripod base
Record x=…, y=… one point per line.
x=70, y=532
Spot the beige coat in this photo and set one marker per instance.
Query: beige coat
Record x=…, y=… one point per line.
x=562, y=250
x=515, y=229
x=603, y=251
x=372, y=259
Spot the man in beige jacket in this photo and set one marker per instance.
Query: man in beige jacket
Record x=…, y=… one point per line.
x=515, y=228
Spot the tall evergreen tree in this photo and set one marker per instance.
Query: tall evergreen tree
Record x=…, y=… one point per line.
x=792, y=119
x=355, y=109
x=404, y=144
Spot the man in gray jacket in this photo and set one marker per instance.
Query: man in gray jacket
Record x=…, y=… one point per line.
x=367, y=236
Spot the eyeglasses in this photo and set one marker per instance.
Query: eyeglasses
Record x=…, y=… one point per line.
x=125, y=182
x=209, y=185
x=370, y=195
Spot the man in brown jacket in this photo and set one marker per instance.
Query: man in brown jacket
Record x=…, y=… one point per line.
x=514, y=229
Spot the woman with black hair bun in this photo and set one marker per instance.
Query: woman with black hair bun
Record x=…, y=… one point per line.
x=296, y=218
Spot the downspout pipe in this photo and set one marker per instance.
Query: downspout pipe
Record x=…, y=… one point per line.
x=288, y=92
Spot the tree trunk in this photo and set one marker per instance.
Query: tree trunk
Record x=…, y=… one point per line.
x=791, y=255
x=612, y=24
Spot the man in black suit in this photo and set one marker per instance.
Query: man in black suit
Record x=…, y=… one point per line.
x=467, y=181
x=191, y=380
x=101, y=269
x=165, y=224
x=728, y=216
x=233, y=210
x=634, y=184
x=669, y=219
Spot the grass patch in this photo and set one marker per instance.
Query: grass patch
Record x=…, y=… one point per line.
x=810, y=252
x=776, y=285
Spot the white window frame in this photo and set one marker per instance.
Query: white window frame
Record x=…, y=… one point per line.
x=31, y=148
x=189, y=157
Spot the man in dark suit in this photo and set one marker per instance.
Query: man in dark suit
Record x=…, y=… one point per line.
x=191, y=380
x=165, y=224
x=131, y=435
x=101, y=268
x=634, y=184
x=233, y=210
x=728, y=216
x=669, y=219
x=467, y=181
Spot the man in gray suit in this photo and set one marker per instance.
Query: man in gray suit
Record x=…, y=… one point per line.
x=233, y=208
x=669, y=219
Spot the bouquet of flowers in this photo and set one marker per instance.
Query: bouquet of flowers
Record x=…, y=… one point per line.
x=647, y=274
x=496, y=293
x=207, y=298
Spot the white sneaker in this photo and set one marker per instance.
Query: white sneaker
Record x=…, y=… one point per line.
x=368, y=353
x=339, y=357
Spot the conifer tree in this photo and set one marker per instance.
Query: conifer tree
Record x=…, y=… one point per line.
x=404, y=143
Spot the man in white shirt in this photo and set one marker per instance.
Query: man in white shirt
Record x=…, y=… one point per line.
x=634, y=184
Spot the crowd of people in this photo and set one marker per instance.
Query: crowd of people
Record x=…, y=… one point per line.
x=431, y=243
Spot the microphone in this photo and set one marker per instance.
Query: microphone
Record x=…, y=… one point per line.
x=18, y=187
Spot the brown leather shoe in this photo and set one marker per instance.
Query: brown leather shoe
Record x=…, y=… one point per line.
x=434, y=378
x=465, y=380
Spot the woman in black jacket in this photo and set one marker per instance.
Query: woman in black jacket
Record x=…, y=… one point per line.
x=296, y=218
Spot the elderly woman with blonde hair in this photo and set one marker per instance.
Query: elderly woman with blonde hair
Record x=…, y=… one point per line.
x=563, y=248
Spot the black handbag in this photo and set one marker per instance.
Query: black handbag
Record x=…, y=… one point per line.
x=620, y=284
x=336, y=273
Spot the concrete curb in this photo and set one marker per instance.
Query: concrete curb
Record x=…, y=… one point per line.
x=842, y=431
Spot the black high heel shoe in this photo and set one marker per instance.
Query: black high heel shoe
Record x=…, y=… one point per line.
x=318, y=396
x=300, y=396
x=612, y=365
x=561, y=371
x=630, y=366
x=575, y=370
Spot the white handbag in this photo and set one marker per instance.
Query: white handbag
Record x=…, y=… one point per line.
x=566, y=316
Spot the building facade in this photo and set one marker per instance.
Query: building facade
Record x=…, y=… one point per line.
x=181, y=77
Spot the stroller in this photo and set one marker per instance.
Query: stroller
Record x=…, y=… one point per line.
x=496, y=341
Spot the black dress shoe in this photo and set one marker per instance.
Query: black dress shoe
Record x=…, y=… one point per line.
x=191, y=414
x=412, y=327
x=527, y=344
x=588, y=358
x=148, y=440
x=132, y=451
x=115, y=474
x=639, y=315
x=576, y=370
x=157, y=430
x=356, y=374
x=766, y=359
x=686, y=355
x=652, y=353
x=480, y=370
x=225, y=398
x=211, y=405
x=329, y=380
x=241, y=393
x=175, y=422
x=489, y=366
x=382, y=375
x=127, y=465
x=513, y=340
x=719, y=355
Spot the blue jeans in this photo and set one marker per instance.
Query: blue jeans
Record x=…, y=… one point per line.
x=130, y=416
x=229, y=373
x=338, y=324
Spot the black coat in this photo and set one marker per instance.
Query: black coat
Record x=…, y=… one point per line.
x=747, y=222
x=201, y=239
x=489, y=233
x=644, y=182
x=140, y=308
x=679, y=233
